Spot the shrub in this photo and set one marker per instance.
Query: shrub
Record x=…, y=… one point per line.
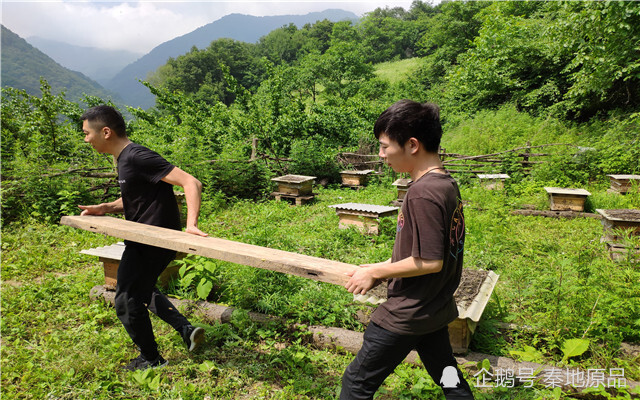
x=312, y=157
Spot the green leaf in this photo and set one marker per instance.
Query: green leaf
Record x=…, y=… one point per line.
x=528, y=354
x=574, y=347
x=204, y=288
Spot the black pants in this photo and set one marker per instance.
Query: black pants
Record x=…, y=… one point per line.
x=136, y=295
x=383, y=350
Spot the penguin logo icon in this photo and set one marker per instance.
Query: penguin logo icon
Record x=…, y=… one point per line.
x=449, y=378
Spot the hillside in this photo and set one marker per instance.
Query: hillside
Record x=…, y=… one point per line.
x=98, y=64
x=23, y=65
x=240, y=27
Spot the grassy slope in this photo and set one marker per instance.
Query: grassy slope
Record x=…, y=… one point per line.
x=396, y=71
x=56, y=343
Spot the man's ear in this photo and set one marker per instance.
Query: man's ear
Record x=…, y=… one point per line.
x=414, y=145
x=107, y=132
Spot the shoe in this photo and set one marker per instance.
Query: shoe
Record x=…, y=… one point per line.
x=192, y=336
x=140, y=363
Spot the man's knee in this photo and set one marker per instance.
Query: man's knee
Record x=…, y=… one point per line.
x=127, y=305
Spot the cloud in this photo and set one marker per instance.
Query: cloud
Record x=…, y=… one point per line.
x=142, y=25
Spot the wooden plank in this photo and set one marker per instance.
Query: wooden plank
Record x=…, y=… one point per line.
x=315, y=268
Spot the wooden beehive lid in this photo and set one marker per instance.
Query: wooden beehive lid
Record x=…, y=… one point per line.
x=367, y=208
x=402, y=182
x=573, y=192
x=358, y=172
x=622, y=177
x=626, y=215
x=468, y=308
x=113, y=251
x=293, y=178
x=493, y=176
x=475, y=308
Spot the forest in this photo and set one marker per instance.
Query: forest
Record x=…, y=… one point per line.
x=235, y=115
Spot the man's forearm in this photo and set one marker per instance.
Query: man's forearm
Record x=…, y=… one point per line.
x=405, y=268
x=193, y=193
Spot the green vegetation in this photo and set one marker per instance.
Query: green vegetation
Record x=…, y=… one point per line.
x=505, y=73
x=555, y=278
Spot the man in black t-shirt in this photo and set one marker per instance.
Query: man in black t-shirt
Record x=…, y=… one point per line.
x=426, y=263
x=146, y=184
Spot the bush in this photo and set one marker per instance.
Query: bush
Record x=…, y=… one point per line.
x=236, y=179
x=312, y=157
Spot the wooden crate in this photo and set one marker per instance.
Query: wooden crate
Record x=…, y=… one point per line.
x=364, y=216
x=295, y=199
x=623, y=183
x=562, y=199
x=110, y=257
x=619, y=252
x=492, y=181
x=295, y=185
x=403, y=186
x=617, y=223
x=619, y=219
x=356, y=178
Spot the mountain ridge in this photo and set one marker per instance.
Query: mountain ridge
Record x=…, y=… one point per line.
x=232, y=26
x=23, y=65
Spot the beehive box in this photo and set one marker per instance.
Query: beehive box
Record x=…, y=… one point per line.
x=492, y=181
x=562, y=199
x=616, y=224
x=355, y=178
x=295, y=185
x=110, y=257
x=623, y=183
x=403, y=186
x=626, y=219
x=364, y=216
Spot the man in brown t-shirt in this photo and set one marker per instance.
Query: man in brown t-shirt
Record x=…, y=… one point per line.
x=426, y=264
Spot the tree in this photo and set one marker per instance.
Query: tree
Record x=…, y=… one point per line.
x=281, y=45
x=342, y=69
x=511, y=60
x=602, y=41
x=200, y=73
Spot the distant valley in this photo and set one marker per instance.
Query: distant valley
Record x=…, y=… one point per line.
x=98, y=64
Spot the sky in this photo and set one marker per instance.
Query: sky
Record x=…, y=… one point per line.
x=139, y=26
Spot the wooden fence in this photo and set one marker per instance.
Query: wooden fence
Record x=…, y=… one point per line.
x=526, y=156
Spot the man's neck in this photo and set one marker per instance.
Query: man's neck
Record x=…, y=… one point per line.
x=118, y=146
x=428, y=164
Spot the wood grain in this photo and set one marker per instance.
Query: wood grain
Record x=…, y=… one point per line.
x=315, y=268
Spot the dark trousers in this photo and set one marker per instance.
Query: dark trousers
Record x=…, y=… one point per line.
x=383, y=350
x=136, y=295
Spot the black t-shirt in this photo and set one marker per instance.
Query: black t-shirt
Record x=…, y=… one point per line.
x=145, y=197
x=431, y=227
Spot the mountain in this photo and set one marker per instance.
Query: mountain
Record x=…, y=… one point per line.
x=23, y=65
x=98, y=64
x=240, y=27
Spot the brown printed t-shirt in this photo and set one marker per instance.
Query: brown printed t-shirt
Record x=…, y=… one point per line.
x=431, y=227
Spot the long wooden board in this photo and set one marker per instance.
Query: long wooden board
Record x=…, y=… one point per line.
x=315, y=268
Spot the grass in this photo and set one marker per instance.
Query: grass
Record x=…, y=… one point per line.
x=396, y=71
x=555, y=278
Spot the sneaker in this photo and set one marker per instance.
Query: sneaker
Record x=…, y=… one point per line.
x=192, y=336
x=142, y=363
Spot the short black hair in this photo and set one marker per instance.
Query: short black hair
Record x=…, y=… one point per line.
x=406, y=119
x=106, y=116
